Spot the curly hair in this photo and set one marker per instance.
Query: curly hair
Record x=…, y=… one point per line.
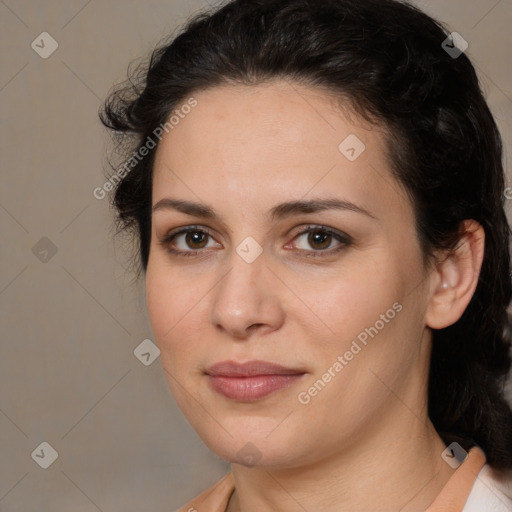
x=386, y=58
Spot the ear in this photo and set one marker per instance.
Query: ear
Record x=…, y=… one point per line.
x=456, y=277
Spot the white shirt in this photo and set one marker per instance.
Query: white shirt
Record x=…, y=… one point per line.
x=489, y=493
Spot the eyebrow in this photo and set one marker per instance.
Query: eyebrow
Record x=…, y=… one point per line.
x=279, y=211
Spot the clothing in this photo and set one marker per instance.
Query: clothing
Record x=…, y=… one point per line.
x=473, y=487
x=489, y=493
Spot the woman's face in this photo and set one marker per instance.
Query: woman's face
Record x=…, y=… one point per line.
x=335, y=296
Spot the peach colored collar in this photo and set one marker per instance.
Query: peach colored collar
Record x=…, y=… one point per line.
x=452, y=497
x=214, y=499
x=455, y=493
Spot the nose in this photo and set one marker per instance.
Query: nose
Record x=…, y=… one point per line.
x=246, y=300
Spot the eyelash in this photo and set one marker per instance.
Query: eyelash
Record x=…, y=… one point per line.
x=343, y=238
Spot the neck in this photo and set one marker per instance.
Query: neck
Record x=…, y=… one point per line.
x=402, y=472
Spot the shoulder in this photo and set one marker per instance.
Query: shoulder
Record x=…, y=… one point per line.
x=492, y=491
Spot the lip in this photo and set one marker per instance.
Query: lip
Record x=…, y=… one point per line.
x=249, y=369
x=252, y=380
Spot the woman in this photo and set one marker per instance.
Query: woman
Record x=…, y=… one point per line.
x=318, y=196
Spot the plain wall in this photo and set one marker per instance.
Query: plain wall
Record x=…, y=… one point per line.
x=69, y=325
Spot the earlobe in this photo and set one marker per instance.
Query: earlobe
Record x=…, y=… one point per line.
x=456, y=277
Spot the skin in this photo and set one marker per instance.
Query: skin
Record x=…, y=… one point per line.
x=364, y=442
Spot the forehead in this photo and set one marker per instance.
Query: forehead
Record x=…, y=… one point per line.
x=251, y=143
x=270, y=119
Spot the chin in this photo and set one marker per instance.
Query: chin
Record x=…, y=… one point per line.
x=253, y=447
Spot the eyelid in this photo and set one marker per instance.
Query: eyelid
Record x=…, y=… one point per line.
x=185, y=229
x=321, y=227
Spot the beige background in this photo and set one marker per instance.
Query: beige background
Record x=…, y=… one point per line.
x=68, y=375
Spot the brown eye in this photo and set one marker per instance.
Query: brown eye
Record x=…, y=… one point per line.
x=190, y=241
x=319, y=239
x=196, y=239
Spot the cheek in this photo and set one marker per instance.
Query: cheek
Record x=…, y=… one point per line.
x=160, y=302
x=177, y=308
x=370, y=319
x=168, y=303
x=354, y=300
